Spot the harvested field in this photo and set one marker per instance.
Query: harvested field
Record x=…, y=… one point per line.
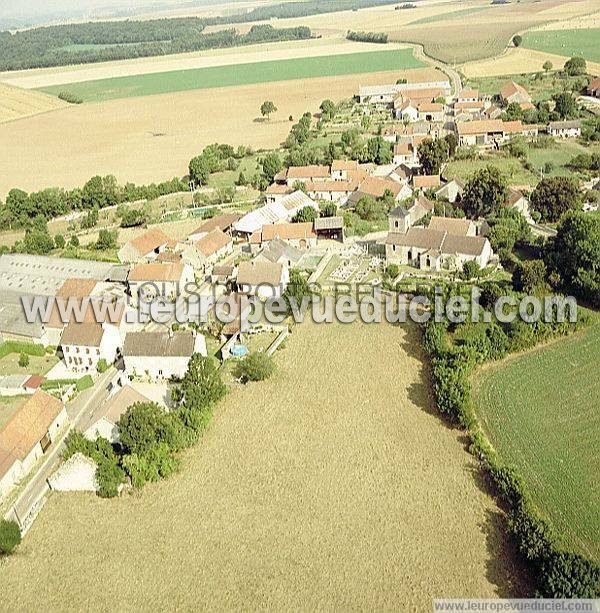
x=153, y=138
x=17, y=103
x=550, y=431
x=518, y=61
x=331, y=486
x=240, y=74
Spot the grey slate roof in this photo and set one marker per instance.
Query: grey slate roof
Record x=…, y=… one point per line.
x=159, y=344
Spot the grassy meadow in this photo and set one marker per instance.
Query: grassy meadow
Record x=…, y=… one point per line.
x=238, y=75
x=585, y=43
x=540, y=411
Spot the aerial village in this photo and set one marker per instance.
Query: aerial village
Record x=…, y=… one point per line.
x=99, y=366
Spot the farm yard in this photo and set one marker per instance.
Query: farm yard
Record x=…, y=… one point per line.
x=242, y=74
x=353, y=496
x=540, y=411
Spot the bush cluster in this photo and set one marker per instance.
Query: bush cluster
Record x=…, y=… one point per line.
x=150, y=437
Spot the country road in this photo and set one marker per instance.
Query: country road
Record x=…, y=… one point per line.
x=455, y=79
x=80, y=411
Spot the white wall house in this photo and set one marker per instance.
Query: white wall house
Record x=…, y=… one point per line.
x=262, y=279
x=565, y=129
x=161, y=355
x=85, y=344
x=168, y=280
x=27, y=435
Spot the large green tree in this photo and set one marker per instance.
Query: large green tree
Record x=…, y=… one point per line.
x=432, y=154
x=201, y=386
x=554, y=196
x=574, y=256
x=485, y=193
x=575, y=66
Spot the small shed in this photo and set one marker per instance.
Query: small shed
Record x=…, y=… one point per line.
x=330, y=227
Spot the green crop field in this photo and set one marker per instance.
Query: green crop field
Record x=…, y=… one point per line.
x=541, y=413
x=241, y=74
x=566, y=42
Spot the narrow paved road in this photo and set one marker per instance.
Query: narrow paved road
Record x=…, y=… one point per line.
x=79, y=411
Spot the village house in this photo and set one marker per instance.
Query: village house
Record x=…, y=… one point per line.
x=26, y=276
x=86, y=301
x=281, y=252
x=451, y=191
x=299, y=235
x=519, y=201
x=406, y=153
x=149, y=281
x=491, y=132
x=214, y=246
x=429, y=249
x=406, y=110
x=431, y=111
x=262, y=279
x=376, y=187
x=467, y=95
x=384, y=95
x=27, y=435
x=565, y=129
x=161, y=355
x=83, y=345
x=593, y=89
x=468, y=109
x=424, y=182
x=224, y=223
x=144, y=247
x=513, y=92
x=107, y=419
x=344, y=170
x=282, y=211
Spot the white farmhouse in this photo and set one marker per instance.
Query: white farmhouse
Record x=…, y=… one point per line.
x=161, y=355
x=85, y=344
x=565, y=129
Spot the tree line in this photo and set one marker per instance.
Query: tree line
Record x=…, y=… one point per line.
x=99, y=192
x=115, y=40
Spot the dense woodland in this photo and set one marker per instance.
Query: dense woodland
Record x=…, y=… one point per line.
x=116, y=40
x=86, y=43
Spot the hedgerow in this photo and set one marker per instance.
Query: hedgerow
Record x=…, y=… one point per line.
x=559, y=573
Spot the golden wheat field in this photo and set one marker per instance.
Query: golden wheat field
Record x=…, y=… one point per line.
x=150, y=139
x=332, y=486
x=518, y=61
x=17, y=103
